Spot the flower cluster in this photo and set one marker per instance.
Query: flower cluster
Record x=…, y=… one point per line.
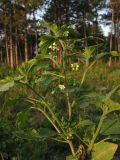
x=75, y=66
x=53, y=47
x=66, y=33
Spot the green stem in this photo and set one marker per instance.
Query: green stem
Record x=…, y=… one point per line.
x=80, y=138
x=59, y=140
x=72, y=148
x=83, y=78
x=29, y=86
x=53, y=74
x=69, y=107
x=67, y=95
x=55, y=118
x=42, y=101
x=97, y=132
x=49, y=119
x=85, y=72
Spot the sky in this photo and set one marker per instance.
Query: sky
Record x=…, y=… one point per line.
x=105, y=27
x=106, y=30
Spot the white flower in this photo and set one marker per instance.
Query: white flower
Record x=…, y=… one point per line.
x=62, y=87
x=50, y=46
x=53, y=47
x=54, y=44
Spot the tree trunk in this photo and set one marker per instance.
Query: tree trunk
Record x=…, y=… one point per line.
x=16, y=47
x=6, y=46
x=6, y=37
x=1, y=54
x=11, y=40
x=59, y=57
x=26, y=47
x=118, y=37
x=36, y=41
x=111, y=39
x=36, y=35
x=110, y=59
x=20, y=52
x=84, y=27
x=11, y=46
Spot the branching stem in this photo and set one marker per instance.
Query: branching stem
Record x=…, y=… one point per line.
x=97, y=132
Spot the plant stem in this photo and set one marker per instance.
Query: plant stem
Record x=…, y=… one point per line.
x=97, y=132
x=85, y=72
x=69, y=107
x=54, y=116
x=29, y=86
x=83, y=77
x=67, y=95
x=80, y=138
x=48, y=107
x=59, y=140
x=72, y=148
x=1, y=156
x=49, y=119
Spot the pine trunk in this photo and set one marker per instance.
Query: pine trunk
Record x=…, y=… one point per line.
x=11, y=47
x=6, y=46
x=11, y=38
x=16, y=47
x=26, y=47
x=1, y=54
x=36, y=35
x=84, y=27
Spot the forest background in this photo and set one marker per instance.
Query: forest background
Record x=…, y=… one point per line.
x=32, y=30
x=20, y=24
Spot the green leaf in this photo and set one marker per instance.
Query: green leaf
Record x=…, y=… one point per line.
x=71, y=158
x=67, y=29
x=104, y=151
x=54, y=74
x=25, y=68
x=19, y=77
x=46, y=80
x=6, y=84
x=88, y=52
x=46, y=132
x=110, y=127
x=45, y=42
x=112, y=105
x=42, y=133
x=114, y=53
x=103, y=101
x=8, y=103
x=41, y=66
x=84, y=123
x=89, y=38
x=22, y=117
x=101, y=55
x=44, y=56
x=108, y=95
x=34, y=133
x=27, y=134
x=52, y=27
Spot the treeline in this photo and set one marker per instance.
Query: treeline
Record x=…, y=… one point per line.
x=19, y=33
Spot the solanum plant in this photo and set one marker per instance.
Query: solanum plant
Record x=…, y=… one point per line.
x=73, y=124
